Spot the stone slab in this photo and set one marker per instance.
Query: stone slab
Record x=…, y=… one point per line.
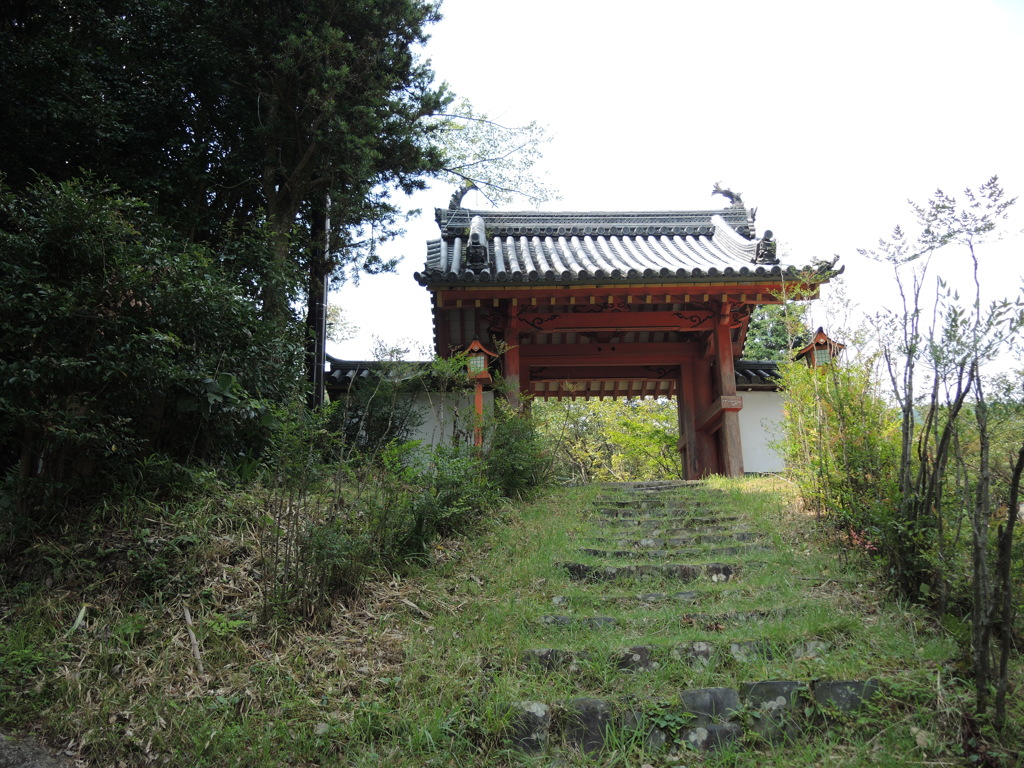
x=844, y=695
x=529, y=726
x=586, y=721
x=711, y=737
x=710, y=705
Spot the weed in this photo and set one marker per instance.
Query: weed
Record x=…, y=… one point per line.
x=417, y=670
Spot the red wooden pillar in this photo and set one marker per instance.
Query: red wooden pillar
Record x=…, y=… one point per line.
x=442, y=327
x=729, y=403
x=510, y=368
x=705, y=423
x=686, y=407
x=478, y=407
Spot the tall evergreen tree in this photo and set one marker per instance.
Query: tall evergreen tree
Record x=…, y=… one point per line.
x=278, y=114
x=775, y=330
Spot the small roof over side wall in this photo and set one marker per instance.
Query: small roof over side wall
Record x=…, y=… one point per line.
x=345, y=375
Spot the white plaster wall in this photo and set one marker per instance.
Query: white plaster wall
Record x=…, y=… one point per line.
x=439, y=414
x=760, y=425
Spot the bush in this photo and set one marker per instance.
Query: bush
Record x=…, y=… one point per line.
x=117, y=343
x=515, y=460
x=842, y=445
x=612, y=440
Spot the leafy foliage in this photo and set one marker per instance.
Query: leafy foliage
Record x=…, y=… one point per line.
x=841, y=442
x=939, y=480
x=119, y=342
x=350, y=493
x=601, y=440
x=515, y=457
x=497, y=160
x=775, y=331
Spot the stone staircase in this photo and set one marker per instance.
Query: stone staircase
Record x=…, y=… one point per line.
x=648, y=555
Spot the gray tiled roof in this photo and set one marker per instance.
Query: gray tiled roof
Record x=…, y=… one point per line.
x=756, y=374
x=346, y=374
x=604, y=247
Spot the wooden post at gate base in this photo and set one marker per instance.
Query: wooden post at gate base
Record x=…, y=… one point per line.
x=478, y=403
x=729, y=403
x=703, y=397
x=510, y=367
x=686, y=408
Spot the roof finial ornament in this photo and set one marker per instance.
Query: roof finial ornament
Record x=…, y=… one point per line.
x=459, y=193
x=734, y=198
x=476, y=251
x=766, y=250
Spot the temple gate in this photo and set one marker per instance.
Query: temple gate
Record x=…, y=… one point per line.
x=614, y=305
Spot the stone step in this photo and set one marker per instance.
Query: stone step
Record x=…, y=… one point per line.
x=655, y=485
x=681, y=523
x=711, y=620
x=702, y=654
x=635, y=510
x=648, y=501
x=702, y=719
x=664, y=554
x=683, y=572
x=634, y=503
x=647, y=598
x=676, y=541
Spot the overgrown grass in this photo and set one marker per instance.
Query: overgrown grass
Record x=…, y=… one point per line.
x=418, y=670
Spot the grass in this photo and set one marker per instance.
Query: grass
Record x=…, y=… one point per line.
x=420, y=669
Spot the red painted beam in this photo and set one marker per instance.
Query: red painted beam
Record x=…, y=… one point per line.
x=637, y=353
x=561, y=322
x=597, y=373
x=579, y=390
x=759, y=292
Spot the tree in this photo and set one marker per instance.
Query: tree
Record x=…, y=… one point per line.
x=118, y=342
x=953, y=349
x=775, y=331
x=339, y=327
x=300, y=117
x=498, y=160
x=615, y=439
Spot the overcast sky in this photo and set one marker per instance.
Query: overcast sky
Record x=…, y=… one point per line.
x=826, y=116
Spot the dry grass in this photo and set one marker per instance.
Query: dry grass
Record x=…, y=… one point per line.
x=401, y=674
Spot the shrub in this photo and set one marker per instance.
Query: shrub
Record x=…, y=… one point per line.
x=841, y=444
x=118, y=342
x=515, y=460
x=602, y=440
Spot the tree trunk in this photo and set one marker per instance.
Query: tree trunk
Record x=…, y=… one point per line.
x=316, y=306
x=1004, y=583
x=981, y=634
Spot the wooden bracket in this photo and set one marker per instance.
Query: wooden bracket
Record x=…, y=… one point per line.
x=710, y=417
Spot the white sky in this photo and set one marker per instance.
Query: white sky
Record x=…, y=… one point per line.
x=826, y=116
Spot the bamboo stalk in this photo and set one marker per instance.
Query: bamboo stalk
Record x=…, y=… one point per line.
x=195, y=643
